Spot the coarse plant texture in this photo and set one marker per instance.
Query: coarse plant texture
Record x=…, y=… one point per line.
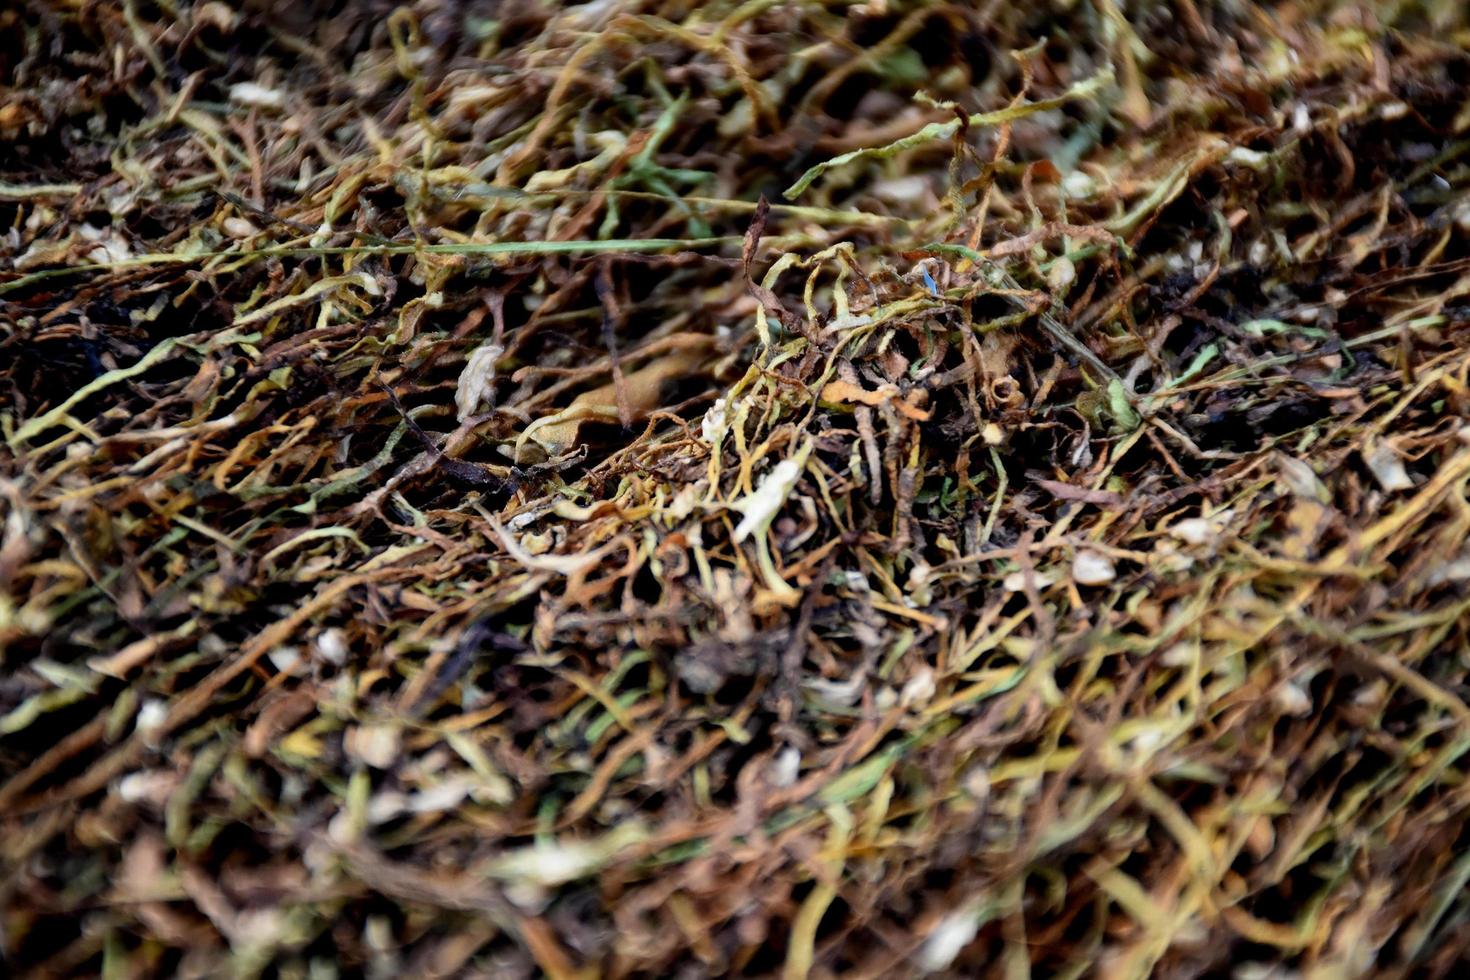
x=804, y=489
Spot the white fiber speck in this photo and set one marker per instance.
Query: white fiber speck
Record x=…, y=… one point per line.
x=331, y=646
x=151, y=715
x=1063, y=273
x=284, y=658
x=1091, y=568
x=1292, y=699
x=716, y=421
x=785, y=767
x=1079, y=185
x=919, y=689
x=954, y=932
x=1016, y=581
x=1254, y=159
x=762, y=505
x=252, y=94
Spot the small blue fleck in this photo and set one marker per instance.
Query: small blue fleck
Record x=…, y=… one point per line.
x=929, y=281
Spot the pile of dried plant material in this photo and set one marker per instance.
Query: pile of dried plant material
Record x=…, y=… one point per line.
x=775, y=489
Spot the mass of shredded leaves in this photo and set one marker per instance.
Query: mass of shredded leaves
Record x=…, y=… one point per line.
x=666, y=489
